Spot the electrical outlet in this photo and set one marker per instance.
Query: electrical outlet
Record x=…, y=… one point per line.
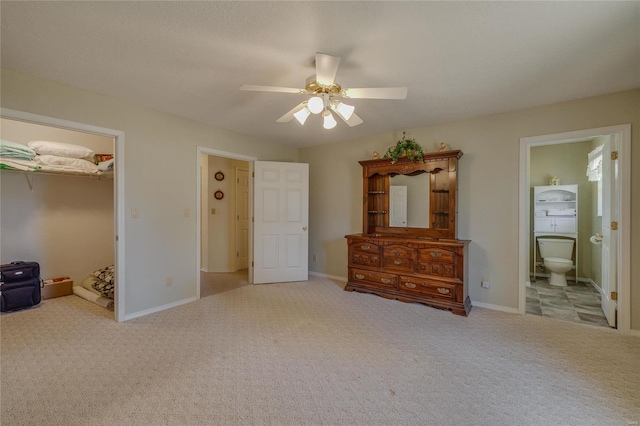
x=169, y=281
x=187, y=212
x=485, y=283
x=314, y=257
x=134, y=213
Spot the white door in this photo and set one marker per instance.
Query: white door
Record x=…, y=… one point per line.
x=398, y=206
x=242, y=219
x=281, y=211
x=609, y=240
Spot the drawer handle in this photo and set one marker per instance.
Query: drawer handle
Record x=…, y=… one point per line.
x=385, y=280
x=435, y=254
x=359, y=276
x=410, y=285
x=365, y=247
x=397, y=262
x=443, y=290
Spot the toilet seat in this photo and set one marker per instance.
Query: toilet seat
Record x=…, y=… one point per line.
x=558, y=260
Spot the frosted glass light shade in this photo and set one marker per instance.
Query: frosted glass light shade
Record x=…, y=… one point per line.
x=345, y=110
x=315, y=105
x=329, y=121
x=302, y=115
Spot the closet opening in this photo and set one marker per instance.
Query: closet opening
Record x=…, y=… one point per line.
x=60, y=208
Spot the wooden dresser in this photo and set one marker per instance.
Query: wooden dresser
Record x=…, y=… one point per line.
x=422, y=261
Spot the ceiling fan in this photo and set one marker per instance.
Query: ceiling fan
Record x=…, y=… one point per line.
x=325, y=95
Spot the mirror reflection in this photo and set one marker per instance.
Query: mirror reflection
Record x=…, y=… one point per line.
x=409, y=201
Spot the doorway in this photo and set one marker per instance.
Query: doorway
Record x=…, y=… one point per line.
x=218, y=243
x=620, y=210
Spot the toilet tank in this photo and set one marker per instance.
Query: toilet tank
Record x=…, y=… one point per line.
x=556, y=247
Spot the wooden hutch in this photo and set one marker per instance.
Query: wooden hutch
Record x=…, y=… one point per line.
x=422, y=261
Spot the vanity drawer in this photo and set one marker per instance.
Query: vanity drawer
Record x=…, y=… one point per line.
x=436, y=255
x=438, y=269
x=377, y=279
x=431, y=288
x=366, y=254
x=405, y=265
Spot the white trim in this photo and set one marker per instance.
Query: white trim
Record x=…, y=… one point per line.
x=158, y=308
x=494, y=307
x=118, y=188
x=623, y=132
x=217, y=153
x=634, y=333
x=331, y=277
x=203, y=270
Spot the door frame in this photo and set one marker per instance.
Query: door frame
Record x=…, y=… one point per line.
x=118, y=189
x=623, y=267
x=235, y=208
x=225, y=154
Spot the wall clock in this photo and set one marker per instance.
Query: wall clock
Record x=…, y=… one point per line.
x=219, y=195
x=219, y=176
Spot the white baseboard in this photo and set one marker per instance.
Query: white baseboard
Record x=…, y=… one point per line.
x=331, y=277
x=204, y=270
x=569, y=277
x=634, y=333
x=158, y=309
x=495, y=307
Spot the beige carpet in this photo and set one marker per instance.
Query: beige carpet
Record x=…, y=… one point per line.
x=309, y=353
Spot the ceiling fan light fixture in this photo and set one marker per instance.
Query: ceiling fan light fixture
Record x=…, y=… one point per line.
x=345, y=110
x=302, y=115
x=315, y=105
x=329, y=121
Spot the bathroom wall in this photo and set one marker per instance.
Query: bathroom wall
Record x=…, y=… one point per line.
x=568, y=161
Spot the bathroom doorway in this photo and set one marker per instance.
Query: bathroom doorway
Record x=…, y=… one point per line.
x=599, y=277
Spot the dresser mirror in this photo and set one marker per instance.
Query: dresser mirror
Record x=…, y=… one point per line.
x=409, y=201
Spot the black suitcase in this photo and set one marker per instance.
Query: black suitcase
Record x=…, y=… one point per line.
x=20, y=286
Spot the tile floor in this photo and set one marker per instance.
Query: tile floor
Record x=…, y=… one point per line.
x=578, y=302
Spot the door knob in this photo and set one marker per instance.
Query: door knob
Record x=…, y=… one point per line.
x=304, y=228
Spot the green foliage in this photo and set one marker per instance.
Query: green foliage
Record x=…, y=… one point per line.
x=405, y=147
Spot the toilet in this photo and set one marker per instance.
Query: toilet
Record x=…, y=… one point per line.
x=557, y=255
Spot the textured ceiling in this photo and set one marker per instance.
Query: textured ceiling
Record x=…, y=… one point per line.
x=458, y=59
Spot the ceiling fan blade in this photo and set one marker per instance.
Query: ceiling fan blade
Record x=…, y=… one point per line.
x=288, y=116
x=376, y=93
x=354, y=120
x=326, y=68
x=253, y=88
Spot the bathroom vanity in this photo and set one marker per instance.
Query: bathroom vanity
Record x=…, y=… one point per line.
x=408, y=248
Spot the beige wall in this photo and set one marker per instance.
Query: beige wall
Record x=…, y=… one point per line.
x=568, y=161
x=488, y=187
x=160, y=179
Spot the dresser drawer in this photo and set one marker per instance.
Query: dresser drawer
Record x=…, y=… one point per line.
x=398, y=257
x=431, y=288
x=365, y=254
x=439, y=269
x=436, y=255
x=373, y=278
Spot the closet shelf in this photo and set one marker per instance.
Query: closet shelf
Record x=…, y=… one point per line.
x=30, y=175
